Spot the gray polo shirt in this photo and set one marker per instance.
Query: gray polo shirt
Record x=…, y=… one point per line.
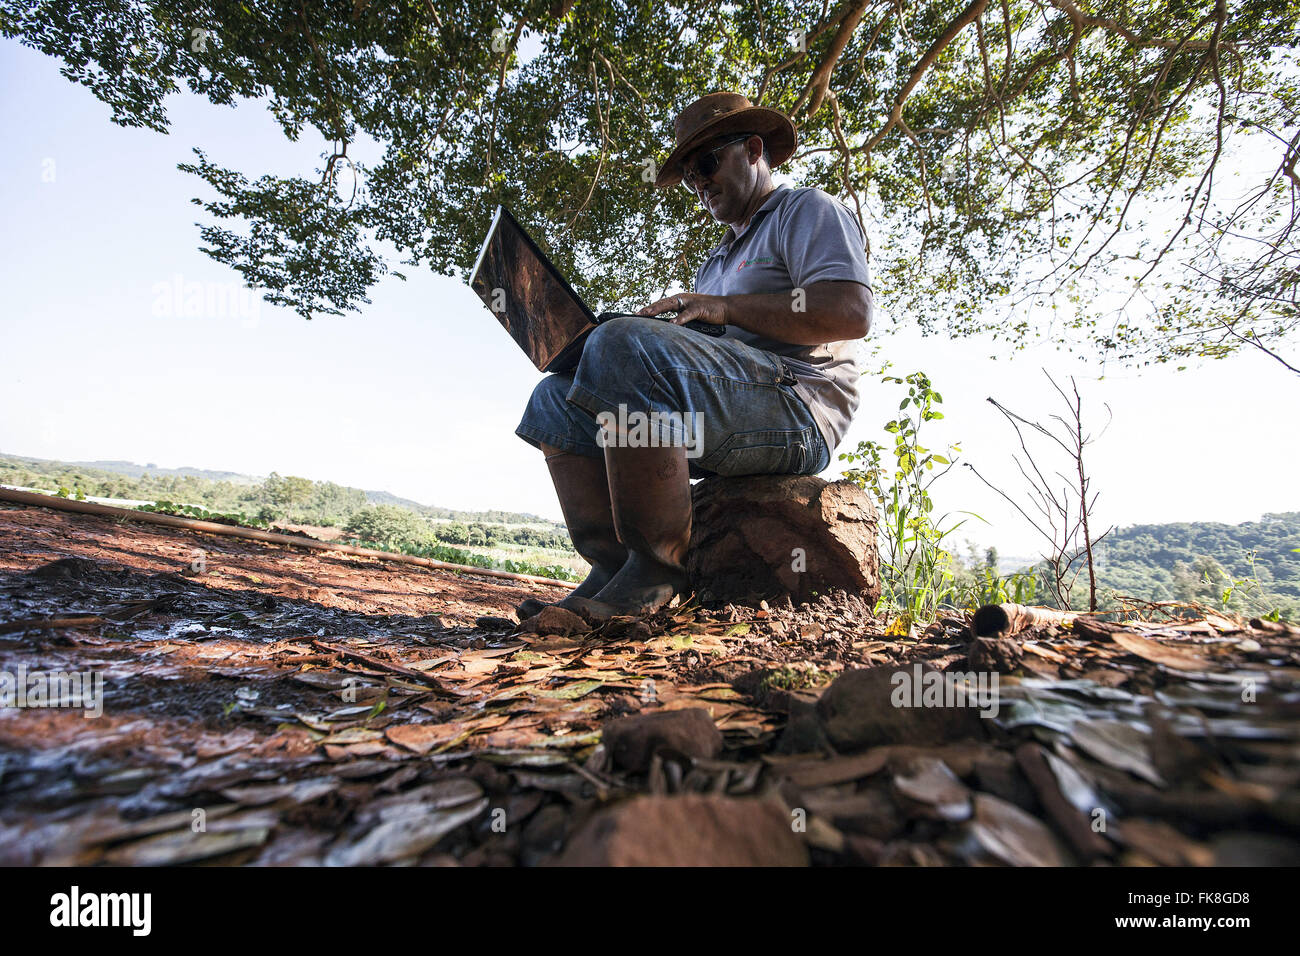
x=798, y=237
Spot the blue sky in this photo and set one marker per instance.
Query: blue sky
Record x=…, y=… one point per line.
x=420, y=393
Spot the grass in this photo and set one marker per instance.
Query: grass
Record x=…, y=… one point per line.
x=794, y=678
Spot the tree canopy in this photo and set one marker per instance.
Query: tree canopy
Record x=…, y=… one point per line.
x=1118, y=176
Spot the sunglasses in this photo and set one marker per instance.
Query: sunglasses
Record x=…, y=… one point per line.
x=707, y=163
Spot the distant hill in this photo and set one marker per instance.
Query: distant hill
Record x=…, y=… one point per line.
x=309, y=502
x=1256, y=562
x=140, y=471
x=388, y=498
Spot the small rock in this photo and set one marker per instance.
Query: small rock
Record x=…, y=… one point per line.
x=803, y=731
x=621, y=705
x=544, y=833
x=934, y=633
x=863, y=850
x=870, y=813
x=996, y=772
x=998, y=655
x=556, y=621
x=1254, y=849
x=687, y=830
x=633, y=741
x=858, y=711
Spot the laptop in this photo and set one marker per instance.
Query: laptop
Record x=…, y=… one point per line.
x=533, y=302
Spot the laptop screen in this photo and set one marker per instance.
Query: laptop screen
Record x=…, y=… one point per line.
x=526, y=293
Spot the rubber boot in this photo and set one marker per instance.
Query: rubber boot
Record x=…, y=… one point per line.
x=582, y=486
x=651, y=493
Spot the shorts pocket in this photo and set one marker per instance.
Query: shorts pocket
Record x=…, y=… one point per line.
x=773, y=452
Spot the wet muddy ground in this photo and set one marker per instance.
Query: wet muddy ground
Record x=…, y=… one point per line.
x=268, y=705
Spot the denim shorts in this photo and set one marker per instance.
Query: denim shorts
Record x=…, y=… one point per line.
x=750, y=420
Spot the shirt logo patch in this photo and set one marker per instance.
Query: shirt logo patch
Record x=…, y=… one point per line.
x=752, y=262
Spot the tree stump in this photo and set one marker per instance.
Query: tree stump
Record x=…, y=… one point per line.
x=766, y=537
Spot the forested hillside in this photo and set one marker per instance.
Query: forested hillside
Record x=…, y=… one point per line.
x=1251, y=568
x=275, y=498
x=1255, y=563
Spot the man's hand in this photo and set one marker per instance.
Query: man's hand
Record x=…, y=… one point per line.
x=694, y=307
x=827, y=311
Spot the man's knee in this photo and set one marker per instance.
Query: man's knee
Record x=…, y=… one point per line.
x=618, y=340
x=550, y=391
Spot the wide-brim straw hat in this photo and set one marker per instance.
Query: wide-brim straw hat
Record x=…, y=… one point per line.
x=718, y=114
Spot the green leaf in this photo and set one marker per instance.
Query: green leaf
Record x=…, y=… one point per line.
x=571, y=691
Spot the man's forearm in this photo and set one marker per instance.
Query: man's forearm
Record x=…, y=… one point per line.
x=823, y=312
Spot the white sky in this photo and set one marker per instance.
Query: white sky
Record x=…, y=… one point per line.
x=420, y=393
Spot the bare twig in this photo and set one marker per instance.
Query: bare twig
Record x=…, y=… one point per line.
x=1065, y=553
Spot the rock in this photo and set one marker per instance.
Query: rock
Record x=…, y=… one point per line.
x=857, y=711
x=687, y=830
x=863, y=851
x=79, y=570
x=1000, y=655
x=1254, y=849
x=870, y=813
x=544, y=834
x=1154, y=841
x=633, y=741
x=997, y=772
x=782, y=536
x=803, y=731
x=557, y=621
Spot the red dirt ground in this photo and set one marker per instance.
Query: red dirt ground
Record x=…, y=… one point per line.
x=316, y=708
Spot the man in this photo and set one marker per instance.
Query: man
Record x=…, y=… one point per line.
x=774, y=395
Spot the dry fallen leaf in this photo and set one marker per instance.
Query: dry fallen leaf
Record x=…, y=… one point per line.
x=1160, y=654
x=929, y=783
x=1012, y=835
x=405, y=831
x=1117, y=745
